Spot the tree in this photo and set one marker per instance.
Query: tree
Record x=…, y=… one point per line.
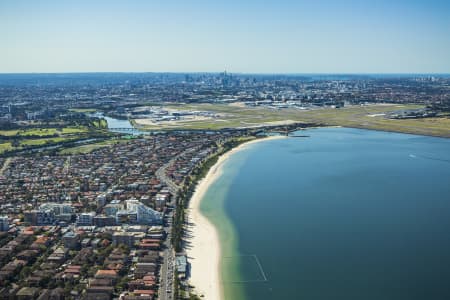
x=26, y=271
x=15, y=143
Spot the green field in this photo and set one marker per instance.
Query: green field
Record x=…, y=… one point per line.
x=39, y=142
x=28, y=132
x=19, y=139
x=74, y=130
x=233, y=116
x=5, y=147
x=102, y=124
x=91, y=147
x=43, y=132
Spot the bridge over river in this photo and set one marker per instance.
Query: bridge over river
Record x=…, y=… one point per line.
x=123, y=129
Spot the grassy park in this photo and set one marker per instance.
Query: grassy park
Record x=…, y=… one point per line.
x=91, y=147
x=24, y=138
x=43, y=132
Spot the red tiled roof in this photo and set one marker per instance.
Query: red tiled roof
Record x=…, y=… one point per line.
x=106, y=273
x=144, y=292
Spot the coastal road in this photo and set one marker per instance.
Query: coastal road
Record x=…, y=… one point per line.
x=166, y=272
x=166, y=283
x=161, y=172
x=161, y=175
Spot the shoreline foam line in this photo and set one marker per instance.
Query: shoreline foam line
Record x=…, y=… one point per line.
x=205, y=249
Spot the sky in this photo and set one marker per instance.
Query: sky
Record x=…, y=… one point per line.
x=266, y=36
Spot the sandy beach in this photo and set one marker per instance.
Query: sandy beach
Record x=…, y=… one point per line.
x=204, y=255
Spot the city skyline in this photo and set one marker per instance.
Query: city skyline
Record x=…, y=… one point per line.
x=294, y=37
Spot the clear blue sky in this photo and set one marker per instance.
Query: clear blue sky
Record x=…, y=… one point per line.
x=266, y=36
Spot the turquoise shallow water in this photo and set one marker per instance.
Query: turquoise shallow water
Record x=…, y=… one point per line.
x=344, y=214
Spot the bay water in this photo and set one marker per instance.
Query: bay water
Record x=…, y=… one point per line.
x=342, y=214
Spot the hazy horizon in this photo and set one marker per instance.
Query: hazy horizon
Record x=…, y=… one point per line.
x=229, y=72
x=276, y=37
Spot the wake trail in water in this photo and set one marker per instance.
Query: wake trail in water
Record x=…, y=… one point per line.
x=430, y=158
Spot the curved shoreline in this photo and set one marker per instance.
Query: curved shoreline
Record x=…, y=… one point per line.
x=205, y=252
